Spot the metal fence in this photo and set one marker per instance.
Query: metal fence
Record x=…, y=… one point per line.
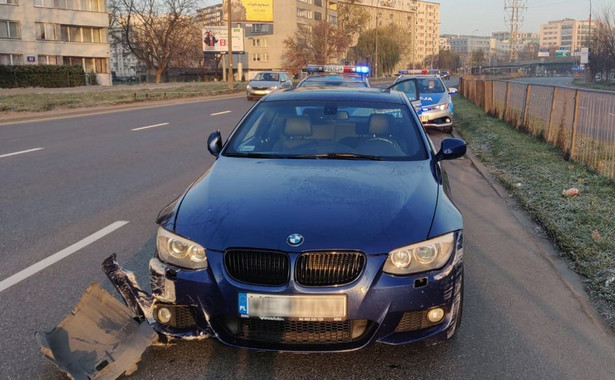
x=581, y=123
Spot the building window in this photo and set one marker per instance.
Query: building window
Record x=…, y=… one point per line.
x=47, y=60
x=261, y=28
x=318, y=3
x=46, y=31
x=79, y=5
x=317, y=16
x=11, y=59
x=260, y=57
x=71, y=33
x=9, y=29
x=98, y=65
x=259, y=42
x=306, y=13
x=10, y=2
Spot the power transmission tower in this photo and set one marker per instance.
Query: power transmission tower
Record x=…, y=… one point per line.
x=514, y=17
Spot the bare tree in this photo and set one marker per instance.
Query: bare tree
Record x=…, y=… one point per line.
x=160, y=33
x=602, y=50
x=321, y=42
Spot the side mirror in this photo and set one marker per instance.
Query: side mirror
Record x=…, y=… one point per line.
x=452, y=90
x=214, y=143
x=417, y=105
x=451, y=148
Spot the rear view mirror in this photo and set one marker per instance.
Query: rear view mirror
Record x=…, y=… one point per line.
x=214, y=143
x=452, y=90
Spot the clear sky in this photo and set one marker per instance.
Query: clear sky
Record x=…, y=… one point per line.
x=465, y=16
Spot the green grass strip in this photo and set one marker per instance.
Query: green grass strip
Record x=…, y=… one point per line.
x=107, y=96
x=536, y=174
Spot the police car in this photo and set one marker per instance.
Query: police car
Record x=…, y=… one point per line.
x=336, y=76
x=436, y=110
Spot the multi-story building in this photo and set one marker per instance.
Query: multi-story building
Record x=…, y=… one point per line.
x=56, y=32
x=465, y=45
x=124, y=64
x=427, y=32
x=567, y=34
x=522, y=37
x=211, y=15
x=264, y=42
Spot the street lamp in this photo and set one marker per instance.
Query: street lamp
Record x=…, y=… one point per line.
x=376, y=53
x=230, y=84
x=590, y=24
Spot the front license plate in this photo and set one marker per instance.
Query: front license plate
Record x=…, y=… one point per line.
x=293, y=307
x=424, y=118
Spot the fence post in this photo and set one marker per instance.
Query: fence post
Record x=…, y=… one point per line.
x=550, y=125
x=503, y=117
x=575, y=122
x=525, y=107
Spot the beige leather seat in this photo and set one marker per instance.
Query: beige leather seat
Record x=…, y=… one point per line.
x=296, y=131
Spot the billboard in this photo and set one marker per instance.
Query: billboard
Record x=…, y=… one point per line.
x=248, y=11
x=215, y=40
x=584, y=55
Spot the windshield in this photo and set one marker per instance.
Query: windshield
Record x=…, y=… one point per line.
x=333, y=80
x=328, y=129
x=430, y=86
x=267, y=77
x=408, y=87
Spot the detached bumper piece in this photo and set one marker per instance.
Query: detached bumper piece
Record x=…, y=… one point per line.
x=100, y=339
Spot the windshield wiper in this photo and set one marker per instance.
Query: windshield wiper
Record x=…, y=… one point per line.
x=252, y=155
x=341, y=156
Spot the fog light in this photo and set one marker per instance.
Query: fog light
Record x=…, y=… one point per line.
x=164, y=315
x=435, y=315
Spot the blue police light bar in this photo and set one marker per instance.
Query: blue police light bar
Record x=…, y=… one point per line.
x=337, y=69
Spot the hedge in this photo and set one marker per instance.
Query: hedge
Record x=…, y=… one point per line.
x=41, y=76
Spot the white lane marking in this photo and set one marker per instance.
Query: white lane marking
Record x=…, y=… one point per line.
x=219, y=113
x=21, y=152
x=150, y=126
x=20, y=276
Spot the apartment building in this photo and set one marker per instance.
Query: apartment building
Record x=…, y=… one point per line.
x=56, y=32
x=427, y=33
x=264, y=42
x=401, y=13
x=567, y=34
x=211, y=15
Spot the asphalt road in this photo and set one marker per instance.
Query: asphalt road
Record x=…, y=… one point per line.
x=525, y=314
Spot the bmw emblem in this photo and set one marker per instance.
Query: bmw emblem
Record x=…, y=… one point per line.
x=294, y=240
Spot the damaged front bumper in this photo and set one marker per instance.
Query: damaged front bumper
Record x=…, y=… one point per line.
x=102, y=338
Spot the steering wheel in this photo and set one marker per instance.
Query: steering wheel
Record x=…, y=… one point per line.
x=386, y=141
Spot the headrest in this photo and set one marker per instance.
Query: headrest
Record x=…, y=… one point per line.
x=379, y=124
x=341, y=115
x=298, y=127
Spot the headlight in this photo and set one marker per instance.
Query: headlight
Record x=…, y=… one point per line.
x=248, y=87
x=180, y=251
x=421, y=257
x=273, y=87
x=442, y=107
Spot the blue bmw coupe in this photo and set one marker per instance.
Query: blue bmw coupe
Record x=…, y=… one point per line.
x=325, y=224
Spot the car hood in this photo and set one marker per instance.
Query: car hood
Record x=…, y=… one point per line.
x=372, y=206
x=263, y=83
x=429, y=99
